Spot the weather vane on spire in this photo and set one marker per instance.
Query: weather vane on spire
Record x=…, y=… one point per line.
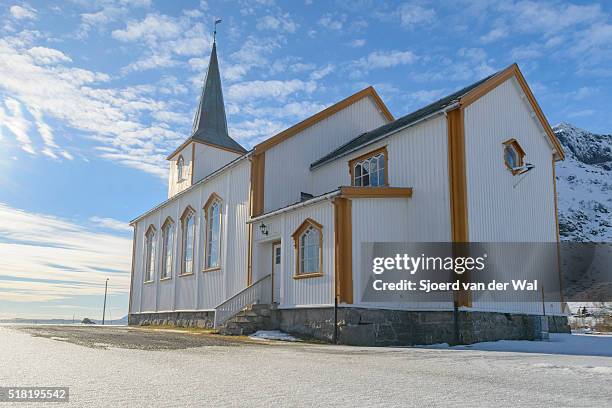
x=217, y=21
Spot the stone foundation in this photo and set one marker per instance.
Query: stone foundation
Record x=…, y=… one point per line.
x=204, y=320
x=381, y=327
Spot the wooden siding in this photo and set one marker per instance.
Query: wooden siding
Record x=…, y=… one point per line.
x=287, y=168
x=503, y=207
x=202, y=290
x=209, y=159
x=383, y=220
x=316, y=291
x=417, y=159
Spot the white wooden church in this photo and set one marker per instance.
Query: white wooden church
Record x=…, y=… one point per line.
x=271, y=237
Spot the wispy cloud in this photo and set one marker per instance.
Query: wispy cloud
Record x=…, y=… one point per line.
x=114, y=117
x=412, y=15
x=278, y=90
x=283, y=23
x=110, y=223
x=13, y=119
x=23, y=12
x=495, y=34
x=357, y=43
x=332, y=22
x=46, y=258
x=384, y=59
x=44, y=55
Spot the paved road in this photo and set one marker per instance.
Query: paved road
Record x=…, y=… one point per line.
x=107, y=366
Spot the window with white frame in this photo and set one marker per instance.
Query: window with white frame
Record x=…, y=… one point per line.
x=212, y=211
x=187, y=241
x=167, y=249
x=308, y=240
x=150, y=252
x=370, y=170
x=180, y=168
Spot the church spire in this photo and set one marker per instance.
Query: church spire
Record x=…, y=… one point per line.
x=210, y=123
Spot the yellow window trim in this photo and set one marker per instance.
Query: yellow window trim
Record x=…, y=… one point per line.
x=375, y=192
x=186, y=212
x=168, y=221
x=521, y=155
x=214, y=197
x=368, y=155
x=308, y=222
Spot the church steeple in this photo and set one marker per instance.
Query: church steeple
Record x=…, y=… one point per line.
x=210, y=123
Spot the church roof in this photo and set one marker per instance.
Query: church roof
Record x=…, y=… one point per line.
x=373, y=135
x=210, y=123
x=464, y=96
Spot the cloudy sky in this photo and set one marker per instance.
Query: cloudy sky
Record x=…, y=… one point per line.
x=94, y=94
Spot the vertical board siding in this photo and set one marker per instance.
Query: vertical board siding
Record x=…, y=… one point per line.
x=199, y=291
x=383, y=220
x=503, y=207
x=209, y=159
x=493, y=198
x=310, y=291
x=175, y=187
x=287, y=171
x=417, y=159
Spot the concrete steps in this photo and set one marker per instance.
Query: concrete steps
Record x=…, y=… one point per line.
x=248, y=321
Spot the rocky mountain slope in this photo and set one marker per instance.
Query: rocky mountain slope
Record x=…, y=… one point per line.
x=584, y=185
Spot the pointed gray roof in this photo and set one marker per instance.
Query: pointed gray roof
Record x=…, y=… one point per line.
x=210, y=123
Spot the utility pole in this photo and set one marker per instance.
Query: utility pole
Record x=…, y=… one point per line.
x=104, y=309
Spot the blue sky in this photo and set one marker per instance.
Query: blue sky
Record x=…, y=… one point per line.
x=94, y=94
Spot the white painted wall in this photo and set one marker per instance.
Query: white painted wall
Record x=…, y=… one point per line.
x=503, y=207
x=315, y=291
x=174, y=185
x=202, y=290
x=208, y=159
x=418, y=158
x=493, y=198
x=385, y=220
x=287, y=168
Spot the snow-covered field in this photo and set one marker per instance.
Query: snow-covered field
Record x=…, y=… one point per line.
x=568, y=344
x=258, y=374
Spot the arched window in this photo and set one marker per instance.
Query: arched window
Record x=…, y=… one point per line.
x=167, y=248
x=212, y=212
x=187, y=240
x=308, y=241
x=180, y=168
x=370, y=170
x=150, y=253
x=514, y=156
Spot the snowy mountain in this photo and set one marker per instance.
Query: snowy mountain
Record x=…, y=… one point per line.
x=584, y=185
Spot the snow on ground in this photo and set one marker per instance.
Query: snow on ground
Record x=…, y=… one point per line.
x=569, y=344
x=294, y=374
x=272, y=335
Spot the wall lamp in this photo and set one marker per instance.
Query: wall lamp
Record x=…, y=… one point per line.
x=263, y=228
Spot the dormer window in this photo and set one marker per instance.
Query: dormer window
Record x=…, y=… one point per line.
x=370, y=170
x=180, y=169
x=514, y=156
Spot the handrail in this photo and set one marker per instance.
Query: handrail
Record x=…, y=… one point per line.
x=258, y=292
